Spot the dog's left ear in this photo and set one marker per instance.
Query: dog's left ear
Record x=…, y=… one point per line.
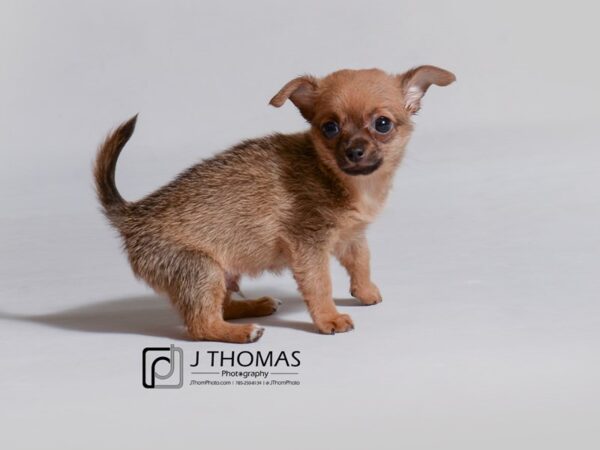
x=416, y=81
x=302, y=91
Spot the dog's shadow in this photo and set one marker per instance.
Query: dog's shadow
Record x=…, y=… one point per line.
x=152, y=315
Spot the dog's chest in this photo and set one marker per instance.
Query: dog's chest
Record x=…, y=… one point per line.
x=369, y=199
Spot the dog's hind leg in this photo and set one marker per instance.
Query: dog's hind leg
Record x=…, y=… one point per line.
x=240, y=308
x=198, y=289
x=237, y=309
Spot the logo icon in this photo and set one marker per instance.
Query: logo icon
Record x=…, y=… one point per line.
x=162, y=367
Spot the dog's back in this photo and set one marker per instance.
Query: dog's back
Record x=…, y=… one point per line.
x=238, y=206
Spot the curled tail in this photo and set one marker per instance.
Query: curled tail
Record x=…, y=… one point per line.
x=104, y=170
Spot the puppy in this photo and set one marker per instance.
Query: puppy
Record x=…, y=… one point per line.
x=277, y=202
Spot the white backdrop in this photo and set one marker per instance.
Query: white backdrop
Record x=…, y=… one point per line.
x=487, y=254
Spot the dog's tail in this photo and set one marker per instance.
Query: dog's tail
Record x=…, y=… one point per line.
x=104, y=171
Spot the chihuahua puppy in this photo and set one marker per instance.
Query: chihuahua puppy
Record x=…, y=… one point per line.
x=281, y=201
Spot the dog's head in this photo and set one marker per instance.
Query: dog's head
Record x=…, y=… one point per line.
x=361, y=118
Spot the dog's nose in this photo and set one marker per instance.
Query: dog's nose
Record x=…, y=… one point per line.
x=355, y=154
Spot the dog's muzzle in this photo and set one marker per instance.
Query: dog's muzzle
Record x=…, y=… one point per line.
x=362, y=168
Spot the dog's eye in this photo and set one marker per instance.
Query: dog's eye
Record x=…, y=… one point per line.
x=383, y=125
x=330, y=129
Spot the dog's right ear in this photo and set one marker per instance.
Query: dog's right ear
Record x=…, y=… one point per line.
x=302, y=91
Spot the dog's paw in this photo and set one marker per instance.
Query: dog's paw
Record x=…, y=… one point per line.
x=256, y=332
x=335, y=323
x=368, y=294
x=268, y=305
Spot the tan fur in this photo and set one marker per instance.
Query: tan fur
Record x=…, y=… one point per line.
x=282, y=201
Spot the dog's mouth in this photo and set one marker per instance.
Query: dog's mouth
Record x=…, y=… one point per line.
x=362, y=169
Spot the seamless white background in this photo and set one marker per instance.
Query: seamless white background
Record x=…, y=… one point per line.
x=486, y=254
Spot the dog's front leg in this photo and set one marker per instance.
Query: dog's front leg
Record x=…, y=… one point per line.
x=354, y=256
x=311, y=271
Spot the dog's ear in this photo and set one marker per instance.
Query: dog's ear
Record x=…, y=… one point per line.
x=416, y=81
x=302, y=91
